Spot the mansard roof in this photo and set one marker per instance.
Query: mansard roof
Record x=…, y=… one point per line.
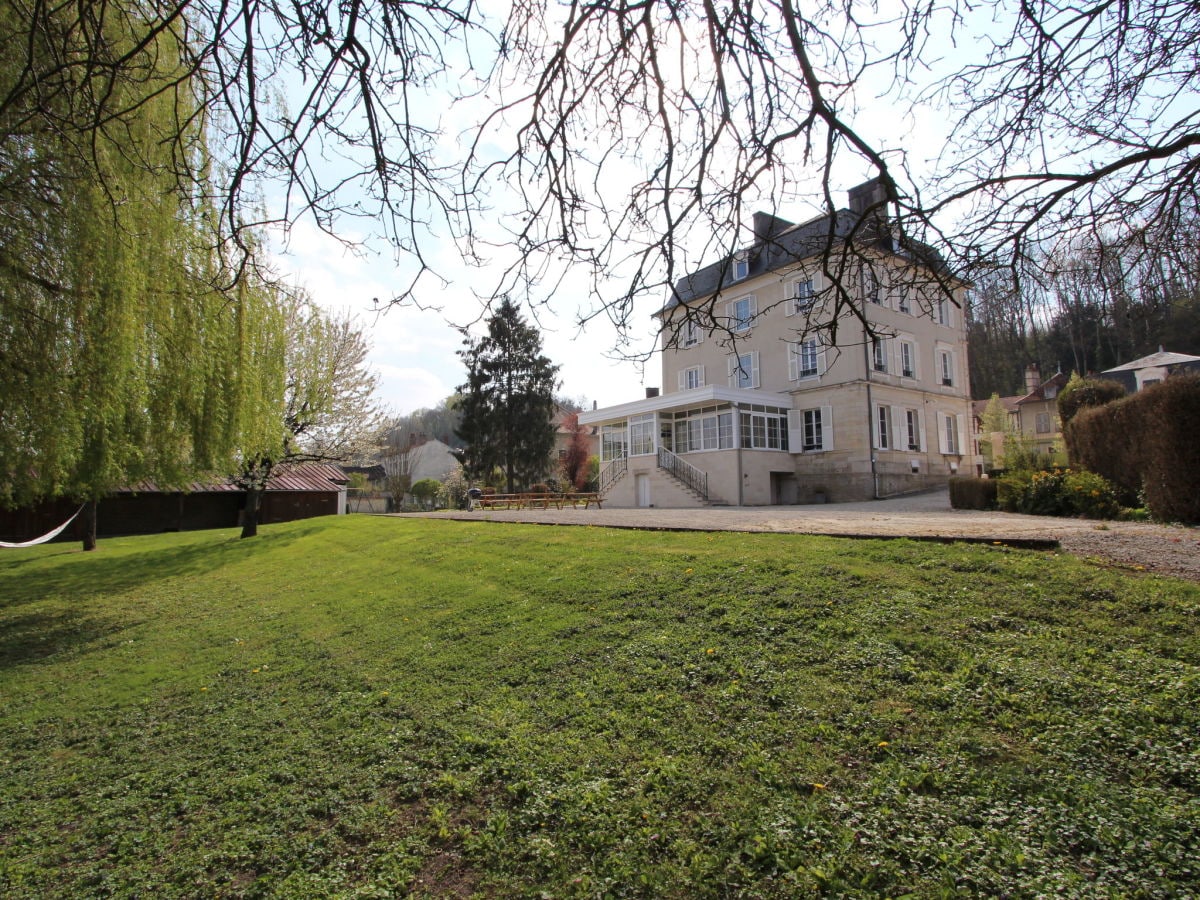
x=779, y=243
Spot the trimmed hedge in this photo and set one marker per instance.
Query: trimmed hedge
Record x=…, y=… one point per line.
x=972, y=493
x=1086, y=393
x=1148, y=444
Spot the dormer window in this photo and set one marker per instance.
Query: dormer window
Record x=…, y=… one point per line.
x=741, y=265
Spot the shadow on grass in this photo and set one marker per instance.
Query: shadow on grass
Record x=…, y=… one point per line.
x=70, y=573
x=32, y=638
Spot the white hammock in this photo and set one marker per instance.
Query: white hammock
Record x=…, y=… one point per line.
x=48, y=536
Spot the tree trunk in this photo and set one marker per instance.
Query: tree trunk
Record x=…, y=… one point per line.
x=250, y=514
x=88, y=518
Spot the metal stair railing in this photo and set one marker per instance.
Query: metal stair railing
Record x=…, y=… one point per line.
x=684, y=471
x=612, y=473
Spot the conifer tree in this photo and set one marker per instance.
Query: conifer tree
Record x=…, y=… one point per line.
x=508, y=400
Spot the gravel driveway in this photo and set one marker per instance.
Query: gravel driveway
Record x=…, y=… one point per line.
x=1162, y=549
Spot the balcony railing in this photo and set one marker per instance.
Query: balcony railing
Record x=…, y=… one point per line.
x=684, y=471
x=612, y=473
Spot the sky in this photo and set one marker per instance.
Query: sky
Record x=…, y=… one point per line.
x=414, y=351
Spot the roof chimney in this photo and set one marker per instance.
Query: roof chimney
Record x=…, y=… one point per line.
x=1033, y=378
x=868, y=194
x=768, y=227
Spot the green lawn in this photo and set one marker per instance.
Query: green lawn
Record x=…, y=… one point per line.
x=361, y=707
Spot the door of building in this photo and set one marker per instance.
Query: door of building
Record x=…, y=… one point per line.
x=642, y=485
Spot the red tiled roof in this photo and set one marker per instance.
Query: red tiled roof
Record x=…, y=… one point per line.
x=1058, y=381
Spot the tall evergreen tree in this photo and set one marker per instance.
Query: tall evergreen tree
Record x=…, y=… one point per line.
x=508, y=400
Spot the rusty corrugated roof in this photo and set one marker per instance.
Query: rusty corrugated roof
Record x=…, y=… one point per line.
x=311, y=477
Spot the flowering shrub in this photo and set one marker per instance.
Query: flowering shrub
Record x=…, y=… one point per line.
x=1059, y=492
x=453, y=493
x=1091, y=495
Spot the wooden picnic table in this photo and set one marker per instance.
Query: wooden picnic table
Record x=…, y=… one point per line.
x=528, y=500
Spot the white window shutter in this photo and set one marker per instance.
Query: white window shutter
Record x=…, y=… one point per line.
x=899, y=429
x=826, y=427
x=789, y=301
x=821, y=359
x=793, y=362
x=732, y=363
x=702, y=381
x=795, y=430
x=682, y=379
x=962, y=436
x=754, y=381
x=941, y=432
x=753, y=308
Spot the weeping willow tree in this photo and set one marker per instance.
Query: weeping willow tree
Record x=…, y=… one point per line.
x=128, y=349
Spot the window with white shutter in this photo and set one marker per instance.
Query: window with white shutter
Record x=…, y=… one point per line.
x=743, y=370
x=908, y=359
x=912, y=429
x=691, y=378
x=883, y=427
x=879, y=354
x=946, y=367
x=804, y=359
x=741, y=314
x=802, y=295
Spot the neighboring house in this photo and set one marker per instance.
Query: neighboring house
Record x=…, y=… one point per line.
x=433, y=459
x=762, y=407
x=419, y=458
x=1141, y=373
x=298, y=491
x=1033, y=415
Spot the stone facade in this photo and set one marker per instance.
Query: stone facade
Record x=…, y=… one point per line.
x=801, y=370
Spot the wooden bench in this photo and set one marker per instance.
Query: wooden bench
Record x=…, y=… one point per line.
x=501, y=501
x=587, y=498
